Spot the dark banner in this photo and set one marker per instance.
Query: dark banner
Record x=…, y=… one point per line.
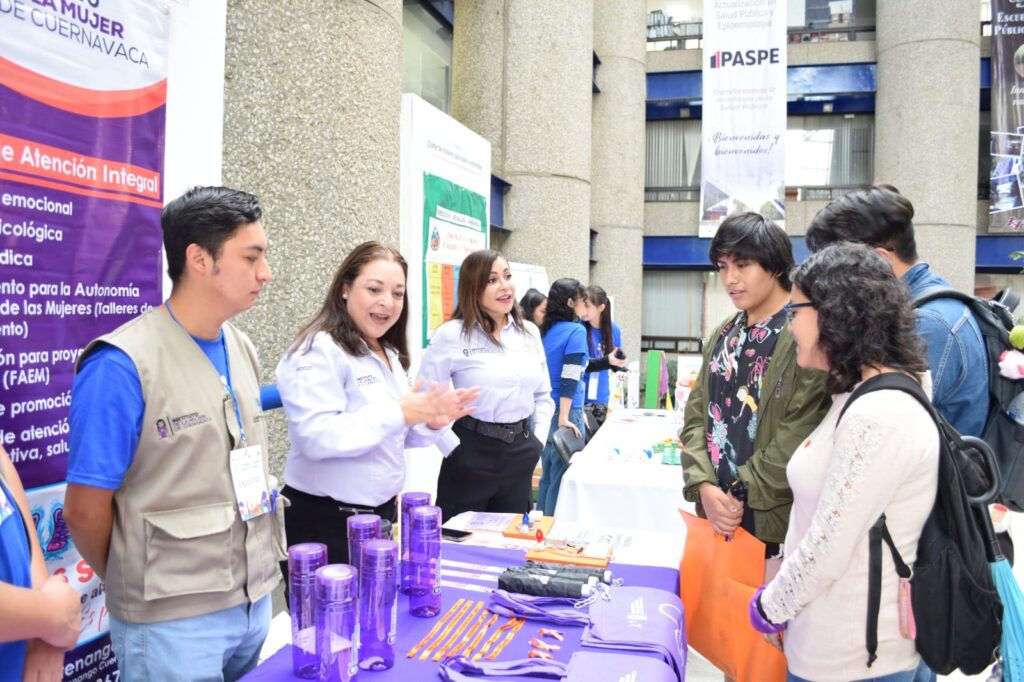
x=1006, y=177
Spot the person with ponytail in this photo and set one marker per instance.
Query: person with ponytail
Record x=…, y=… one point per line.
x=565, y=344
x=604, y=345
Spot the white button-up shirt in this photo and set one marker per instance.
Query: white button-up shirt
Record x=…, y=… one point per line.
x=346, y=427
x=513, y=377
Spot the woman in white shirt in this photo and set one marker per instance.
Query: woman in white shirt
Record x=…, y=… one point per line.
x=852, y=318
x=488, y=344
x=351, y=408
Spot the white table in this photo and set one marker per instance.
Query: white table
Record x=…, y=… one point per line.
x=611, y=482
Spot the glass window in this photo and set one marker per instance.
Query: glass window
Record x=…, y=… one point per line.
x=673, y=304
x=679, y=24
x=830, y=151
x=426, y=56
x=821, y=151
x=673, y=154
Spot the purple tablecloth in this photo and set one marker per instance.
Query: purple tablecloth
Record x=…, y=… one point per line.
x=411, y=630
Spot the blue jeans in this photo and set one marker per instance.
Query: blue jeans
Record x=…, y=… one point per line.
x=215, y=647
x=921, y=673
x=554, y=467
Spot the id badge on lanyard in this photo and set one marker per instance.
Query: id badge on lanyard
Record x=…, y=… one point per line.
x=250, y=481
x=252, y=494
x=593, y=381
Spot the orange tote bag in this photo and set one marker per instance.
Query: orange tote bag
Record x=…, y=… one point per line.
x=716, y=581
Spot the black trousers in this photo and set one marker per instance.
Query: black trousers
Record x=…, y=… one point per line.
x=311, y=518
x=487, y=474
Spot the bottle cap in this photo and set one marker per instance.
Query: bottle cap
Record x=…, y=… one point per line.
x=379, y=555
x=336, y=582
x=412, y=499
x=306, y=556
x=364, y=526
x=425, y=518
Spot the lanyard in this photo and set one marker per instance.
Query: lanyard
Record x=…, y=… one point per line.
x=225, y=380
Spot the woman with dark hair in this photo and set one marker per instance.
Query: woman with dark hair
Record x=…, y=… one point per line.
x=534, y=305
x=853, y=320
x=752, y=404
x=350, y=410
x=488, y=344
x=565, y=345
x=604, y=343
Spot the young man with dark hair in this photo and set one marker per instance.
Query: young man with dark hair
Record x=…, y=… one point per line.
x=169, y=491
x=883, y=218
x=752, y=405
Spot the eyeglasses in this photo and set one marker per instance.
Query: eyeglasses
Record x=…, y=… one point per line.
x=791, y=309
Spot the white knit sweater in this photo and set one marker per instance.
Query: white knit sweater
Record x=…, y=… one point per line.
x=883, y=457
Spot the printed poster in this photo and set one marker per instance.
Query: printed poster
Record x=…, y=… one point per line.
x=744, y=81
x=82, y=113
x=454, y=226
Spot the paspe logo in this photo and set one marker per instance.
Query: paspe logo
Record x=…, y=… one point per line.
x=724, y=58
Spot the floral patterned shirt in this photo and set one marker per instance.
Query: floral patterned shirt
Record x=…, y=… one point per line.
x=735, y=374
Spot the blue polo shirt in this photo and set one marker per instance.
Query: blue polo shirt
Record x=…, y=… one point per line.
x=565, y=345
x=15, y=569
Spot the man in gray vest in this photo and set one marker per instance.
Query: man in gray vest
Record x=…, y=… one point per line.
x=169, y=496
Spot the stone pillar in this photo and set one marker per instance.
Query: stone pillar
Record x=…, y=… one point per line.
x=617, y=163
x=926, y=125
x=312, y=100
x=521, y=77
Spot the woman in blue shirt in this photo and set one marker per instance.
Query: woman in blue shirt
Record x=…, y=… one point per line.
x=596, y=314
x=565, y=345
x=40, y=616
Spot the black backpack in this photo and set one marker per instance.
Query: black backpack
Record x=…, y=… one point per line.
x=1002, y=433
x=956, y=608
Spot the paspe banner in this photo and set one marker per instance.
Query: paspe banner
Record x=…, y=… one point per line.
x=83, y=88
x=1006, y=172
x=744, y=111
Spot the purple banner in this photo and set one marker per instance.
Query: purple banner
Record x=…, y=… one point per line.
x=82, y=117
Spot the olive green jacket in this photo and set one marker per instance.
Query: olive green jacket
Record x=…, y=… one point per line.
x=793, y=402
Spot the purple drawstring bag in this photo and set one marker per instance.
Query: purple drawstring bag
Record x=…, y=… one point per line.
x=558, y=610
x=640, y=619
x=584, y=666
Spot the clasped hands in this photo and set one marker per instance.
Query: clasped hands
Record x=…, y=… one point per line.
x=438, y=405
x=723, y=511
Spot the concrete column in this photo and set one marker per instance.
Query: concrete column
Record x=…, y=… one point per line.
x=522, y=74
x=617, y=163
x=926, y=125
x=312, y=99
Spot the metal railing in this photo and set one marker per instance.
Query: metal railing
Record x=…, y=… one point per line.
x=672, y=344
x=689, y=35
x=803, y=193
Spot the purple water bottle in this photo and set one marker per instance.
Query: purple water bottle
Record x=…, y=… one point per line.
x=361, y=527
x=409, y=500
x=425, y=559
x=378, y=605
x=337, y=627
x=303, y=561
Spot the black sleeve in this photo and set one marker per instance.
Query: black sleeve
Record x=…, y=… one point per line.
x=599, y=364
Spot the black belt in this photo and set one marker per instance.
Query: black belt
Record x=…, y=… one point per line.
x=504, y=432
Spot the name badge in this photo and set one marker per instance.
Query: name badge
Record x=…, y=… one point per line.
x=592, y=383
x=250, y=481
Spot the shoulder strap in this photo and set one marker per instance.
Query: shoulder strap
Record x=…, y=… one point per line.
x=880, y=531
x=935, y=293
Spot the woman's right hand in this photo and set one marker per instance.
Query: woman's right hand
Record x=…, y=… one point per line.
x=566, y=424
x=724, y=512
x=615, y=361
x=65, y=606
